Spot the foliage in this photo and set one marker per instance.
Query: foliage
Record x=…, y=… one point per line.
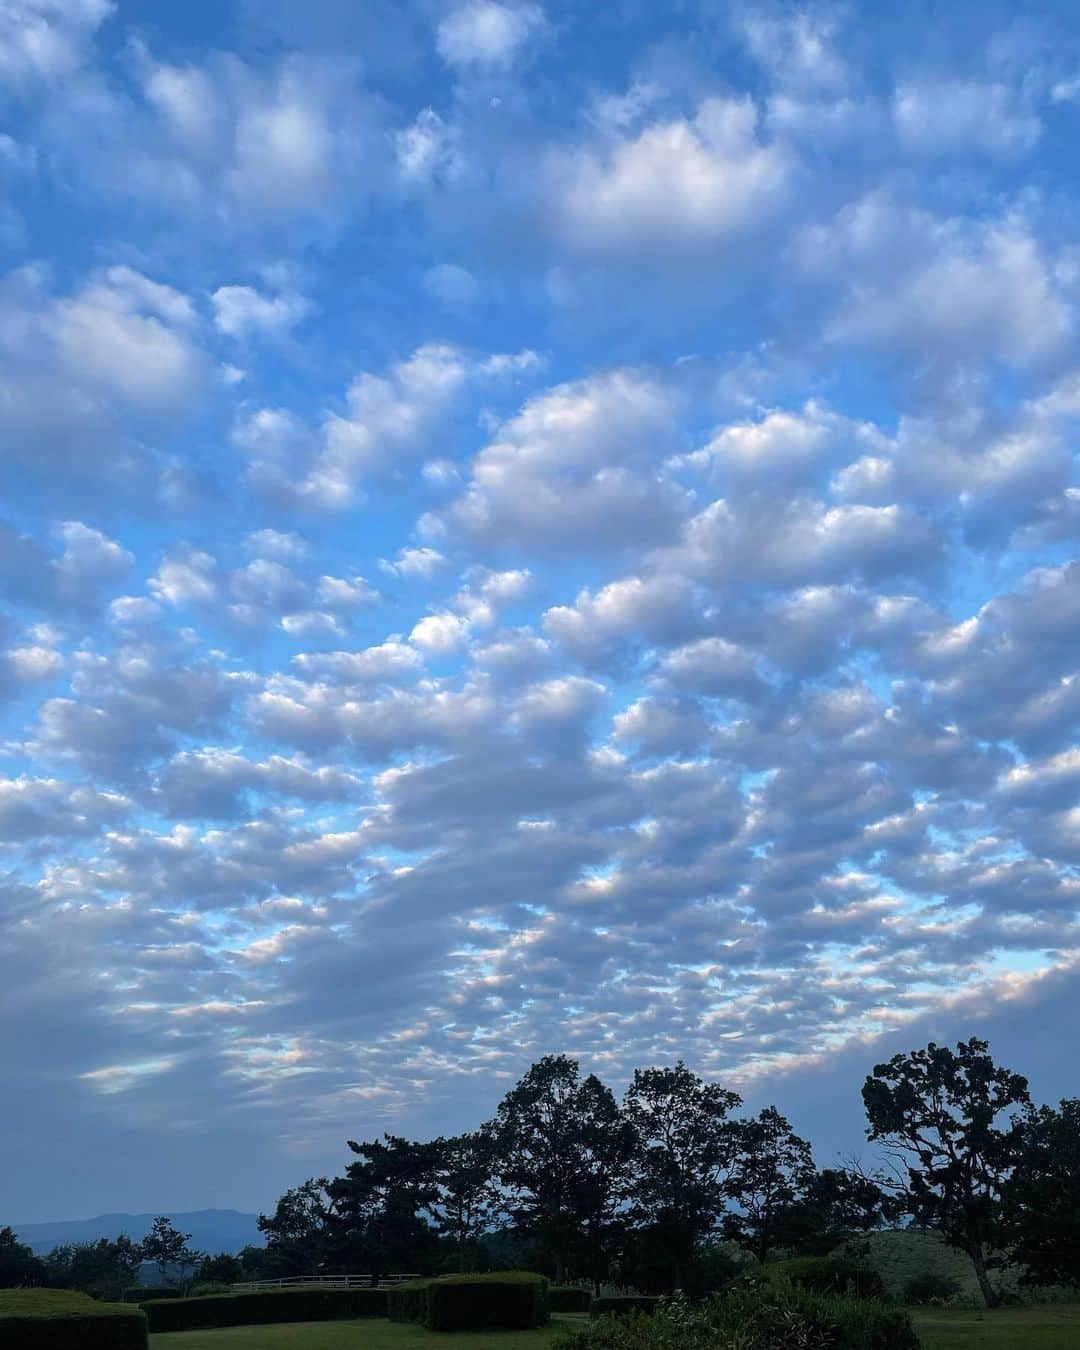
x=569, y=1298
x=1042, y=1197
x=221, y=1269
x=467, y=1199
x=18, y=1264
x=931, y=1287
x=407, y=1302
x=56, y=1319
x=825, y=1275
x=770, y=1172
x=618, y=1305
x=297, y=1233
x=168, y=1248
x=263, y=1306
x=377, y=1208
x=105, y=1268
x=514, y=1300
x=937, y=1111
x=835, y=1204
x=683, y=1154
x=761, y=1317
x=562, y=1149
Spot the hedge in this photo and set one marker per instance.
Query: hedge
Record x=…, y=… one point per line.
x=59, y=1319
x=407, y=1302
x=508, y=1299
x=515, y=1300
x=619, y=1304
x=825, y=1275
x=262, y=1306
x=568, y=1298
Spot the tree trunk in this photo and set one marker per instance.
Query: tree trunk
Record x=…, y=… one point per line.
x=978, y=1260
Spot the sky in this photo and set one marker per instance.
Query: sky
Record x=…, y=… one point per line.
x=524, y=528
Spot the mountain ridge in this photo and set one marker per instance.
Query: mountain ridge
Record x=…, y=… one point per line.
x=212, y=1230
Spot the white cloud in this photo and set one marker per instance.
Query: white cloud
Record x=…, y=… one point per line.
x=241, y=312
x=414, y=562
x=676, y=184
x=961, y=117
x=483, y=34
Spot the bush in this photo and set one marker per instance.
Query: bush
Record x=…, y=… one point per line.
x=142, y=1292
x=826, y=1275
x=262, y=1306
x=56, y=1319
x=765, y=1317
x=931, y=1288
x=407, y=1302
x=514, y=1300
x=618, y=1305
x=567, y=1298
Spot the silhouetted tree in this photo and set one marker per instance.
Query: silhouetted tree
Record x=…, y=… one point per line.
x=684, y=1149
x=1042, y=1197
x=771, y=1170
x=836, y=1204
x=298, y=1232
x=168, y=1248
x=945, y=1117
x=18, y=1264
x=380, y=1203
x=467, y=1199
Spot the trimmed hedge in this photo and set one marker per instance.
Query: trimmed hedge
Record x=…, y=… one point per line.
x=59, y=1319
x=262, y=1306
x=617, y=1305
x=825, y=1275
x=568, y=1298
x=143, y=1293
x=514, y=1300
x=407, y=1302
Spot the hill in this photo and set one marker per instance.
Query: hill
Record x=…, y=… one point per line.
x=212, y=1230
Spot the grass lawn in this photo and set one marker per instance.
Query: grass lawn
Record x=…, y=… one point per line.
x=367, y=1333
x=1053, y=1326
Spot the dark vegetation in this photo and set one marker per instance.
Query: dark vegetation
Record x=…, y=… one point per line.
x=262, y=1307
x=670, y=1189
x=56, y=1319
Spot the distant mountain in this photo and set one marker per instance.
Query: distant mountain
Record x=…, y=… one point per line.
x=212, y=1230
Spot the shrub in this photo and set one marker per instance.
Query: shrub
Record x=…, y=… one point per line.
x=826, y=1275
x=515, y=1300
x=618, y=1305
x=407, y=1302
x=566, y=1298
x=262, y=1306
x=143, y=1292
x=55, y=1319
x=930, y=1287
x=765, y=1317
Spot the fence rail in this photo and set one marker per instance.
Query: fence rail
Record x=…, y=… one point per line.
x=328, y=1282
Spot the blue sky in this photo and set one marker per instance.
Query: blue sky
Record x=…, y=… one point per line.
x=524, y=528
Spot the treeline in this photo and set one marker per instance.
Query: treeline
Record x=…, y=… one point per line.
x=670, y=1188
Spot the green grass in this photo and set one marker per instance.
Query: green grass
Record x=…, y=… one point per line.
x=1050, y=1327
x=1053, y=1326
x=366, y=1334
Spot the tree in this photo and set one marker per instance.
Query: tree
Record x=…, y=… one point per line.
x=298, y=1232
x=105, y=1268
x=1042, y=1197
x=380, y=1203
x=553, y=1159
x=168, y=1248
x=683, y=1151
x=606, y=1147
x=224, y=1268
x=836, y=1204
x=18, y=1264
x=770, y=1172
x=936, y=1112
x=467, y=1199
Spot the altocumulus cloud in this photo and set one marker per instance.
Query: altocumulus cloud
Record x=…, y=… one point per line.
x=506, y=552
